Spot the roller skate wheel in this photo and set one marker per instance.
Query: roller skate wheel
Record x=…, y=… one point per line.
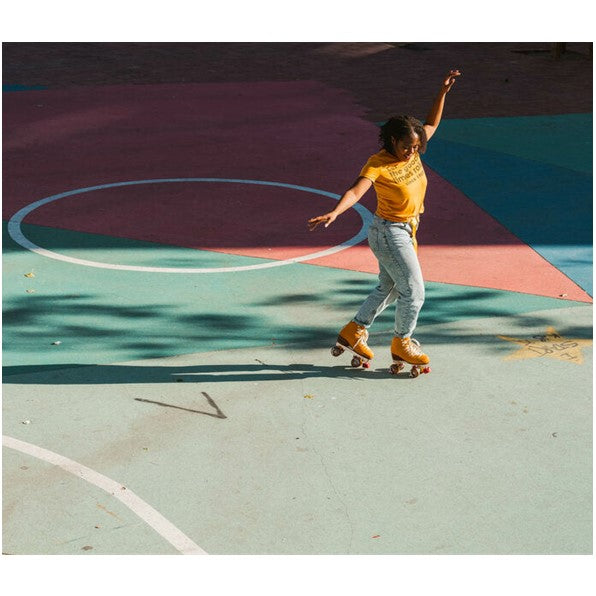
x=414, y=372
x=356, y=362
x=336, y=351
x=396, y=368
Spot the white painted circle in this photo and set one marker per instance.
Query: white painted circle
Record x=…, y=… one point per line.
x=16, y=233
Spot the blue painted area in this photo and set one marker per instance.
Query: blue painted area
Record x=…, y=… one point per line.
x=8, y=88
x=564, y=141
x=547, y=206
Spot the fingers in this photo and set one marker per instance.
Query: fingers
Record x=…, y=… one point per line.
x=315, y=221
x=453, y=73
x=450, y=79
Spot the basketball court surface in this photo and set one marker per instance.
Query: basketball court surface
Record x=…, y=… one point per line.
x=168, y=385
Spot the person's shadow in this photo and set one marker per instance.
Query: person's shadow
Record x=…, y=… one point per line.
x=110, y=374
x=197, y=374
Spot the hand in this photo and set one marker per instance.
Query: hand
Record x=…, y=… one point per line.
x=327, y=219
x=450, y=80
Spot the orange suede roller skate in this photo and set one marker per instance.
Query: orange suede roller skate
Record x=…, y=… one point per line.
x=353, y=337
x=405, y=350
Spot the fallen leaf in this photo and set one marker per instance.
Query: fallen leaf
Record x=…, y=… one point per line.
x=308, y=396
x=30, y=274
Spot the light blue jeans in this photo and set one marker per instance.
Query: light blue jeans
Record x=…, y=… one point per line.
x=400, y=277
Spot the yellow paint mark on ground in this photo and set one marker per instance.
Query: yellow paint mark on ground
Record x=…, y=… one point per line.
x=550, y=345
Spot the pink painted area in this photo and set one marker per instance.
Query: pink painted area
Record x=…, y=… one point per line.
x=516, y=268
x=301, y=133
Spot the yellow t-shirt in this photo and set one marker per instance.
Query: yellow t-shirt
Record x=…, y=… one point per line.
x=400, y=186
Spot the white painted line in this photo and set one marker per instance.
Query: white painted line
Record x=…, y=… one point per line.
x=16, y=233
x=158, y=522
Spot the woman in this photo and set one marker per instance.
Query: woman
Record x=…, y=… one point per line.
x=397, y=174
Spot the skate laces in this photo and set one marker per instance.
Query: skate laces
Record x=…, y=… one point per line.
x=412, y=346
x=361, y=335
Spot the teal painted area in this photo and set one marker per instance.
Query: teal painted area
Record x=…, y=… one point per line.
x=34, y=513
x=103, y=316
x=540, y=189
x=8, y=88
x=483, y=456
x=564, y=141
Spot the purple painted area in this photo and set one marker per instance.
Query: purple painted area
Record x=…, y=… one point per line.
x=290, y=132
x=295, y=133
x=231, y=217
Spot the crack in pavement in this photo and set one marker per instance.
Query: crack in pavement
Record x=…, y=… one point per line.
x=330, y=481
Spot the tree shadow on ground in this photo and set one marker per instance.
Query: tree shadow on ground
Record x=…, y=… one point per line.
x=304, y=321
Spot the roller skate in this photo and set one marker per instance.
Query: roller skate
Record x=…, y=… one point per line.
x=407, y=351
x=353, y=338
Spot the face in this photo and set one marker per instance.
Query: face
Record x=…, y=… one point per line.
x=405, y=148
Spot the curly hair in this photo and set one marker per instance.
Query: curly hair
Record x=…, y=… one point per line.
x=401, y=127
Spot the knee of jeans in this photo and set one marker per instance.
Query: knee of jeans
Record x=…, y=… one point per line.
x=415, y=296
x=385, y=288
x=419, y=295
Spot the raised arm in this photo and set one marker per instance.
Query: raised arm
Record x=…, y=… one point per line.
x=434, y=116
x=347, y=200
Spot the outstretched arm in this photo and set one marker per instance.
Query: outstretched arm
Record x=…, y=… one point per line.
x=347, y=200
x=436, y=111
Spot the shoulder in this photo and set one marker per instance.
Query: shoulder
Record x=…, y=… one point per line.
x=382, y=157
